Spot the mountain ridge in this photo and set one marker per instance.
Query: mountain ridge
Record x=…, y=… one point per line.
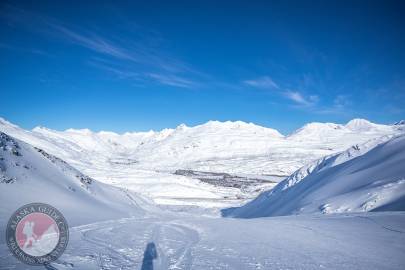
x=236, y=148
x=227, y=123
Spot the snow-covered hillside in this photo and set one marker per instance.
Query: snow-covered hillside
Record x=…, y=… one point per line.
x=156, y=239
x=213, y=146
x=29, y=174
x=367, y=177
x=147, y=162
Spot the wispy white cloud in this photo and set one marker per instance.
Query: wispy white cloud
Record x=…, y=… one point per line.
x=298, y=98
x=172, y=80
x=166, y=70
x=138, y=58
x=94, y=43
x=264, y=82
x=120, y=72
x=123, y=72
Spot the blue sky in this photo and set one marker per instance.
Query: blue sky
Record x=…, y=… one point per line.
x=126, y=66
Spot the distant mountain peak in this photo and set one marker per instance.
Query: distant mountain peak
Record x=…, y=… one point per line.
x=239, y=125
x=226, y=123
x=316, y=128
x=84, y=131
x=400, y=123
x=315, y=125
x=41, y=129
x=181, y=127
x=359, y=124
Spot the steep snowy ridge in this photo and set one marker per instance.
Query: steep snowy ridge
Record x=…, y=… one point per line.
x=365, y=177
x=29, y=174
x=331, y=161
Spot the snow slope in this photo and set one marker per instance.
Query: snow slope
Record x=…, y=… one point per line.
x=29, y=174
x=146, y=162
x=368, y=177
x=139, y=236
x=355, y=241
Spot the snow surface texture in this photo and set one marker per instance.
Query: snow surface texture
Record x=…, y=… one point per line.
x=29, y=174
x=357, y=241
x=368, y=177
x=146, y=162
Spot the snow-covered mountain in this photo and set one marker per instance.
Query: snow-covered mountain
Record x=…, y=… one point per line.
x=193, y=241
x=29, y=174
x=233, y=147
x=146, y=162
x=367, y=177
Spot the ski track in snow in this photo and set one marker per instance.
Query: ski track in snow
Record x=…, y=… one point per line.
x=382, y=226
x=173, y=244
x=355, y=241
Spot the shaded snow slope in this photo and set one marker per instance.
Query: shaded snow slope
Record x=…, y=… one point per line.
x=29, y=174
x=363, y=178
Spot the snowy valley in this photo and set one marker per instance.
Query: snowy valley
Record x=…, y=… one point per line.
x=147, y=162
x=152, y=200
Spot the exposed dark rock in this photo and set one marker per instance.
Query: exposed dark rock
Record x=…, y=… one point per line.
x=7, y=143
x=223, y=179
x=7, y=180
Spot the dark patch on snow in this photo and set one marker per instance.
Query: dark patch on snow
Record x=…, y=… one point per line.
x=7, y=180
x=84, y=179
x=7, y=143
x=122, y=161
x=52, y=158
x=224, y=179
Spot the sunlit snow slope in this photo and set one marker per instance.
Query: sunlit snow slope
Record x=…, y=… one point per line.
x=29, y=174
x=160, y=164
x=368, y=177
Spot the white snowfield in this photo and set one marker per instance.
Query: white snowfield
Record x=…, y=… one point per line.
x=114, y=228
x=353, y=241
x=145, y=162
x=368, y=177
x=29, y=174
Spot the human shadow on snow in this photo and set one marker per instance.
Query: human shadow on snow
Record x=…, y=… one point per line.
x=149, y=255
